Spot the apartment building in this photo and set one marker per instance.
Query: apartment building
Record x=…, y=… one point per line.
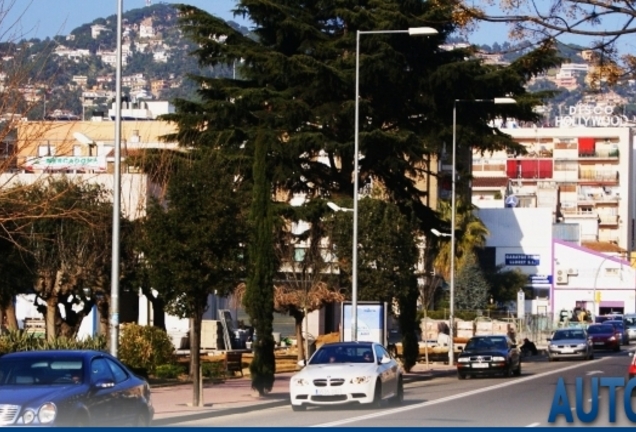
x=583, y=174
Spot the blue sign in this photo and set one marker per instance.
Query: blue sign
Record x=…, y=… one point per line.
x=522, y=260
x=540, y=279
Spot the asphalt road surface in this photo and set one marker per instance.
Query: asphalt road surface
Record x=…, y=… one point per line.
x=523, y=401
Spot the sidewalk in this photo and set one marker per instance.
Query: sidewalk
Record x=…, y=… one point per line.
x=173, y=402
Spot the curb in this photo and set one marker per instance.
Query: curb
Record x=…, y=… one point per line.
x=166, y=421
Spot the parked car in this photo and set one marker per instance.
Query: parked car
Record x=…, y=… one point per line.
x=604, y=336
x=620, y=328
x=347, y=372
x=570, y=343
x=489, y=355
x=629, y=321
x=71, y=388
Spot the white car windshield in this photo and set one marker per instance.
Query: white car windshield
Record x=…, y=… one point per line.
x=343, y=354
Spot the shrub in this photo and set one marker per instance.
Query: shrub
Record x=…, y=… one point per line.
x=145, y=347
x=168, y=371
x=20, y=340
x=212, y=369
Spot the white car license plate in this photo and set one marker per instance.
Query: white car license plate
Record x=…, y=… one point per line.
x=480, y=365
x=599, y=343
x=328, y=391
x=567, y=351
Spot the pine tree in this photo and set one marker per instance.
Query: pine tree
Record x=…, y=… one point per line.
x=298, y=80
x=471, y=288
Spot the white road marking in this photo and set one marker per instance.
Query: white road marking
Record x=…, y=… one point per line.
x=450, y=398
x=533, y=424
x=594, y=372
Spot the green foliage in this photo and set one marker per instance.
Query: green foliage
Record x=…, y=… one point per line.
x=213, y=369
x=20, y=340
x=471, y=287
x=259, y=292
x=145, y=347
x=505, y=283
x=169, y=371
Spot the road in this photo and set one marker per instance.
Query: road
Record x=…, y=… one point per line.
x=476, y=402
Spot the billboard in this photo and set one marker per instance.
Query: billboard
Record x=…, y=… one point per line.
x=372, y=322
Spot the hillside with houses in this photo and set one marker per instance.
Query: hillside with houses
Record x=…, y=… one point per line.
x=156, y=64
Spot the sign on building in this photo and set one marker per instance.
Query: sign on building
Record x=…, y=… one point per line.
x=66, y=163
x=522, y=260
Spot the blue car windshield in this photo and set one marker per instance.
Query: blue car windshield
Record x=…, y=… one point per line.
x=342, y=354
x=40, y=371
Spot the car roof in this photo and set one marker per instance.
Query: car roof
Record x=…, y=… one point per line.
x=350, y=344
x=55, y=353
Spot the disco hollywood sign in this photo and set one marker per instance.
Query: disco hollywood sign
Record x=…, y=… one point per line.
x=593, y=116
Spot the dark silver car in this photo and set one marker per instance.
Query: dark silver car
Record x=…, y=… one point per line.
x=570, y=343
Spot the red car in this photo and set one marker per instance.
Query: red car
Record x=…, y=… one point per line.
x=631, y=370
x=604, y=336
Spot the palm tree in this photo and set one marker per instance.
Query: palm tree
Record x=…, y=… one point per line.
x=470, y=234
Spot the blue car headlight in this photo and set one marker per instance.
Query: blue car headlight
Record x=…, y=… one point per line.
x=47, y=413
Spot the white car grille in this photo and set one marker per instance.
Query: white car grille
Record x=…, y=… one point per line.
x=9, y=414
x=333, y=382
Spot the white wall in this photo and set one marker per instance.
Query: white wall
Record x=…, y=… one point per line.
x=612, y=277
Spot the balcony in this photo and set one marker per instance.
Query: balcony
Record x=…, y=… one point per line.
x=610, y=220
x=599, y=176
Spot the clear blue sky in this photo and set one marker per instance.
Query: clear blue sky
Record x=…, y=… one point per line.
x=48, y=18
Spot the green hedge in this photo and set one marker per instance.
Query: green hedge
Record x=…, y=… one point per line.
x=20, y=340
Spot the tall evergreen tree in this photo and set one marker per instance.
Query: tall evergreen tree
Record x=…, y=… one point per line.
x=298, y=78
x=259, y=295
x=471, y=287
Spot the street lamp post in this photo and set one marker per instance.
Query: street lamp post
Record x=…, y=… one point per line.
x=114, y=278
x=413, y=31
x=502, y=100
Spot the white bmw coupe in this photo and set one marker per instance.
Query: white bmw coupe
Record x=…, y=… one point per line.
x=347, y=372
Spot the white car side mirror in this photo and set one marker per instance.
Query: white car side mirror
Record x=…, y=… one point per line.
x=385, y=360
x=302, y=363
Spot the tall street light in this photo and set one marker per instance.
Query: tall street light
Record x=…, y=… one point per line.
x=413, y=31
x=114, y=277
x=502, y=100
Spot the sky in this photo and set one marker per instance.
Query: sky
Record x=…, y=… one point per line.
x=48, y=18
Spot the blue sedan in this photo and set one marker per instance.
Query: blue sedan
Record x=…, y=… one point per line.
x=71, y=388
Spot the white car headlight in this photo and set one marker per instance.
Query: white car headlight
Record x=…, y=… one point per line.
x=499, y=358
x=612, y=338
x=301, y=382
x=463, y=360
x=581, y=345
x=360, y=380
x=47, y=413
x=28, y=417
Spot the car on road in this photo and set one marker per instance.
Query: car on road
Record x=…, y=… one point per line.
x=620, y=329
x=71, y=388
x=572, y=343
x=631, y=369
x=347, y=372
x=629, y=321
x=489, y=355
x=604, y=336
